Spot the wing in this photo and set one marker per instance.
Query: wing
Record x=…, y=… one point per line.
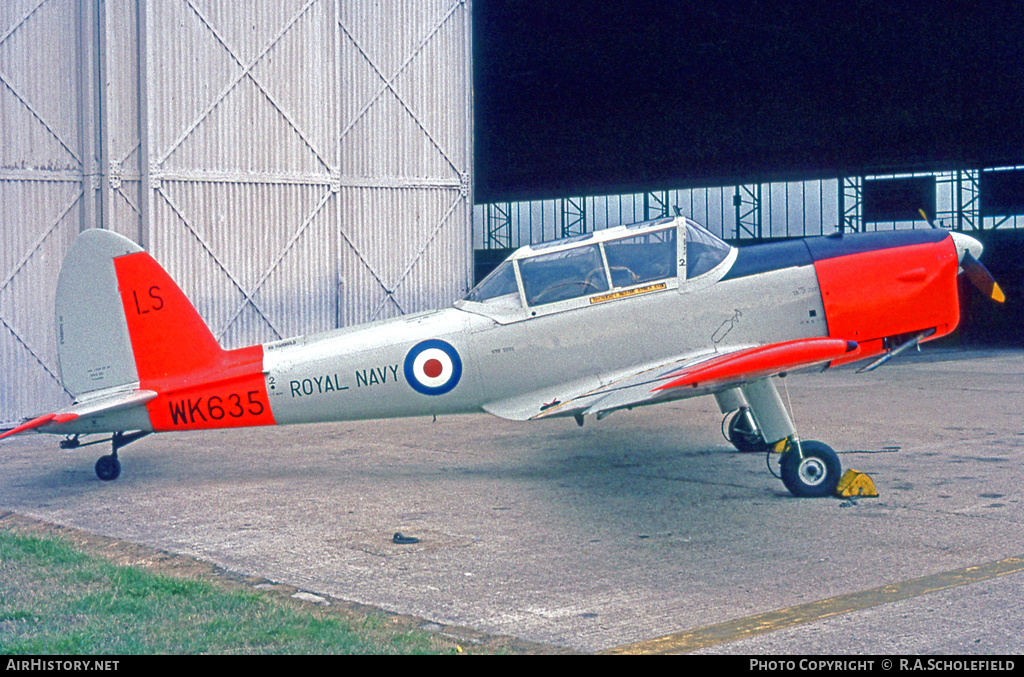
x=755, y=363
x=683, y=377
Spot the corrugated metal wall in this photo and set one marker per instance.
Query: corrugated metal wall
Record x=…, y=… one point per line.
x=297, y=165
x=43, y=165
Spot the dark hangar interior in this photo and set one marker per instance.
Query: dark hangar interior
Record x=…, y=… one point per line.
x=591, y=98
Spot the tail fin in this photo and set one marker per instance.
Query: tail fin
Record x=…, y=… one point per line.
x=169, y=338
x=123, y=321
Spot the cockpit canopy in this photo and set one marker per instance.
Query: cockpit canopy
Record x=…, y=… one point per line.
x=593, y=263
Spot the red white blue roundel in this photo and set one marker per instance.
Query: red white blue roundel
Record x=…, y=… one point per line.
x=433, y=367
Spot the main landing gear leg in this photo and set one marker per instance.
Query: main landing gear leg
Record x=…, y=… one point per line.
x=809, y=469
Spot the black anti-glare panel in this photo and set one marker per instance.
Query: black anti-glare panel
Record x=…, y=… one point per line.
x=1001, y=193
x=898, y=199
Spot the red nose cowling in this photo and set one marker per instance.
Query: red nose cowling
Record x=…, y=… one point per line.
x=875, y=297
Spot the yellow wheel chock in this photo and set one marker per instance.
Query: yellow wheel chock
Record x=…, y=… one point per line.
x=855, y=483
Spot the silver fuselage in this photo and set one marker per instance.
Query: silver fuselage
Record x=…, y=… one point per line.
x=514, y=358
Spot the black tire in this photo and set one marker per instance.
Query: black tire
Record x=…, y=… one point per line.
x=814, y=475
x=742, y=437
x=108, y=468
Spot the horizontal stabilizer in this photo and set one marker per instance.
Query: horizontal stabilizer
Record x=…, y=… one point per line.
x=89, y=415
x=113, y=402
x=38, y=422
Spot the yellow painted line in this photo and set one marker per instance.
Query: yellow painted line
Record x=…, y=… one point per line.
x=742, y=628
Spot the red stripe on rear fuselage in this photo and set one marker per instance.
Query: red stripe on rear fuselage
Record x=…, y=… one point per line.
x=871, y=295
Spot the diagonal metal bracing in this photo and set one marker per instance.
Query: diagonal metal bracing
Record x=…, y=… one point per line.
x=417, y=258
x=39, y=241
x=25, y=102
x=335, y=180
x=73, y=176
x=17, y=268
x=116, y=177
x=245, y=72
x=273, y=266
x=498, y=223
x=376, y=276
x=21, y=21
x=390, y=290
x=209, y=250
x=28, y=348
x=46, y=125
x=389, y=82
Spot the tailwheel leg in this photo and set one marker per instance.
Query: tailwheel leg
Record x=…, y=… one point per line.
x=810, y=469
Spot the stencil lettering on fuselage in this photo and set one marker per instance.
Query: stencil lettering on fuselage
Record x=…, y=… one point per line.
x=318, y=385
x=377, y=376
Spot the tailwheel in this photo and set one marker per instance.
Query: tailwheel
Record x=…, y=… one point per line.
x=108, y=468
x=810, y=469
x=743, y=433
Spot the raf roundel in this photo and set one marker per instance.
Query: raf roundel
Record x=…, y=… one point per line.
x=433, y=367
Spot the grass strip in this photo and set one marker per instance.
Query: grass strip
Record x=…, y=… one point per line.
x=55, y=599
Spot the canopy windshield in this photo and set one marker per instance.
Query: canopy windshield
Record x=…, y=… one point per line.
x=498, y=288
x=704, y=251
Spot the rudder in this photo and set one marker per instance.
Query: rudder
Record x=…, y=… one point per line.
x=93, y=346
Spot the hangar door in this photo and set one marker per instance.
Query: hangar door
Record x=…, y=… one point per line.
x=297, y=165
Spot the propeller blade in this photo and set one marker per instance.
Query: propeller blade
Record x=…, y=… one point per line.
x=926, y=218
x=979, y=276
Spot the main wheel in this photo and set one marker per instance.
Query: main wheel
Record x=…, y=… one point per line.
x=814, y=475
x=743, y=436
x=108, y=468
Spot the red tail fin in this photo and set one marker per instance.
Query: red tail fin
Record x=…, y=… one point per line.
x=168, y=336
x=200, y=384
